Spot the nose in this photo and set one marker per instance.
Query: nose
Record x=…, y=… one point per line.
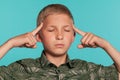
x=59, y=36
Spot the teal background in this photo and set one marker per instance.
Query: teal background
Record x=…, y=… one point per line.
x=101, y=17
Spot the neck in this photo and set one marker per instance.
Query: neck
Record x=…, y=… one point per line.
x=56, y=60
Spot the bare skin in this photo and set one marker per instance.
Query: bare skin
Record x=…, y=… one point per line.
x=30, y=39
x=58, y=39
x=25, y=40
x=91, y=40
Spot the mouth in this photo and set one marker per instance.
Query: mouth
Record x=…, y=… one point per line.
x=59, y=45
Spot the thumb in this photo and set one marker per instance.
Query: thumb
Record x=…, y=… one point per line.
x=34, y=46
x=81, y=46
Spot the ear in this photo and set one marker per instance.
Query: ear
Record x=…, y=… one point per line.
x=73, y=38
x=38, y=38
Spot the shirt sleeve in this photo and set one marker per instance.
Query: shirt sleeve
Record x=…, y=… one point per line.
x=103, y=72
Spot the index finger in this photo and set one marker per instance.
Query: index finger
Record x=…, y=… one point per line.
x=34, y=32
x=79, y=31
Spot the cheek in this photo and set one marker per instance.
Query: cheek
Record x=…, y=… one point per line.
x=48, y=38
x=69, y=38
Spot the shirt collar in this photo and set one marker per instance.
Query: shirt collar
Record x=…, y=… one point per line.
x=44, y=61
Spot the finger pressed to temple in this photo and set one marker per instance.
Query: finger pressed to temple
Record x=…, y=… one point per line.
x=79, y=31
x=34, y=32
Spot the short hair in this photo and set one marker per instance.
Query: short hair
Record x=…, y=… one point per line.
x=53, y=9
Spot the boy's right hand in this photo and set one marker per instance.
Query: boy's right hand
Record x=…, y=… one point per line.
x=26, y=40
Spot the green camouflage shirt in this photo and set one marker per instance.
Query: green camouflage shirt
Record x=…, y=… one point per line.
x=42, y=69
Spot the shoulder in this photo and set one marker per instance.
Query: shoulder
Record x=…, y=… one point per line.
x=21, y=65
x=28, y=62
x=83, y=63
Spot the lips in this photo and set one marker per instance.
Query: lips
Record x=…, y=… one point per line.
x=59, y=45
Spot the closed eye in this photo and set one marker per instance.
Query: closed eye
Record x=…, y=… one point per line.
x=50, y=30
x=67, y=30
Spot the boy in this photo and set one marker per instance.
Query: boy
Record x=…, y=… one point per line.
x=56, y=31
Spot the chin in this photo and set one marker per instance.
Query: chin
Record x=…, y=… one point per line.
x=58, y=53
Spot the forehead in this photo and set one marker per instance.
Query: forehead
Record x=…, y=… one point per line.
x=58, y=19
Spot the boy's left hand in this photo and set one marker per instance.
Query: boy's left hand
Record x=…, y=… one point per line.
x=90, y=40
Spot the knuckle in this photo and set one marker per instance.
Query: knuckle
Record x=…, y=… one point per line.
x=86, y=43
x=82, y=41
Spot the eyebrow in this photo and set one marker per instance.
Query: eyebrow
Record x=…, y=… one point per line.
x=51, y=26
x=67, y=26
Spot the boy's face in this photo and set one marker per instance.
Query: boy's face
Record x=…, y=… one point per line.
x=57, y=34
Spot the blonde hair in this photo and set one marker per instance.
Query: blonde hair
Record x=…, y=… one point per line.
x=53, y=9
